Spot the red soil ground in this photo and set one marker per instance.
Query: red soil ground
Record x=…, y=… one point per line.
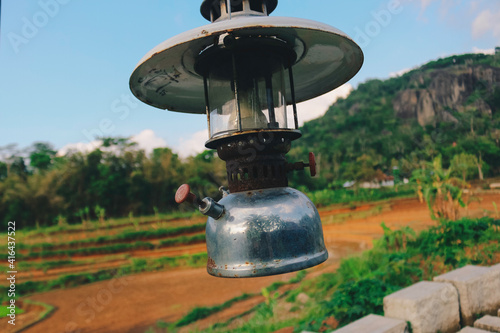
x=133, y=303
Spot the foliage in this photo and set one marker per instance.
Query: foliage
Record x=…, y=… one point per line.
x=361, y=283
x=354, y=299
x=397, y=260
x=441, y=191
x=327, y=197
x=117, y=238
x=360, y=138
x=203, y=312
x=299, y=277
x=112, y=181
x=449, y=240
x=465, y=165
x=114, y=248
x=135, y=266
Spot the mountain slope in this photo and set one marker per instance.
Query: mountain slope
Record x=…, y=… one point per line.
x=446, y=107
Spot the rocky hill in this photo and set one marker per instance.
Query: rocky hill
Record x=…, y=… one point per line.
x=438, y=92
x=445, y=107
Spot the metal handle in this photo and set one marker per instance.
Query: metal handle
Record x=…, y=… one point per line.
x=302, y=165
x=184, y=194
x=206, y=206
x=312, y=164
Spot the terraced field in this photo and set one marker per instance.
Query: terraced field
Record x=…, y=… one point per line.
x=125, y=276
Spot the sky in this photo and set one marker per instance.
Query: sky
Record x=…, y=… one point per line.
x=65, y=64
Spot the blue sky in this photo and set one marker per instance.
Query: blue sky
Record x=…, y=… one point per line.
x=65, y=64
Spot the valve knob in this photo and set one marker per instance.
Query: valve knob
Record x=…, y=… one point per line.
x=312, y=164
x=301, y=165
x=184, y=194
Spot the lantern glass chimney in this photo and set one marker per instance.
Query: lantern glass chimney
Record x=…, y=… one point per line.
x=245, y=88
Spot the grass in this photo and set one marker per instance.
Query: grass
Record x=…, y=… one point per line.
x=203, y=312
x=47, y=311
x=51, y=264
x=329, y=197
x=199, y=313
x=135, y=266
x=399, y=259
x=342, y=217
x=118, y=238
x=116, y=222
x=114, y=248
x=4, y=311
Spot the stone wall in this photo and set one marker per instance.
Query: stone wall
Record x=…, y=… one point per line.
x=450, y=303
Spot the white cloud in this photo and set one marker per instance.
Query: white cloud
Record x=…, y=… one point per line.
x=148, y=140
x=486, y=22
x=318, y=106
x=400, y=72
x=193, y=145
x=83, y=147
x=485, y=51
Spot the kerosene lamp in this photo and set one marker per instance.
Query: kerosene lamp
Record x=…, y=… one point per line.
x=242, y=70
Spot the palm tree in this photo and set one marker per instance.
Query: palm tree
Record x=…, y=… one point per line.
x=441, y=191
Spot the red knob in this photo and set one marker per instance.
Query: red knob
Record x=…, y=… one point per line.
x=312, y=164
x=184, y=194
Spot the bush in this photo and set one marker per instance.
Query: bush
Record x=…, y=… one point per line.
x=341, y=196
x=355, y=299
x=396, y=261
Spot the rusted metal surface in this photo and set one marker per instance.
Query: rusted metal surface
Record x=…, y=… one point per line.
x=211, y=264
x=255, y=162
x=260, y=134
x=265, y=172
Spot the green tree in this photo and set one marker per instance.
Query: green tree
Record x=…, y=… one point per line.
x=464, y=165
x=441, y=191
x=42, y=155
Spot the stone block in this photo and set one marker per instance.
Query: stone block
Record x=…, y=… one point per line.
x=375, y=324
x=479, y=290
x=489, y=323
x=430, y=307
x=469, y=329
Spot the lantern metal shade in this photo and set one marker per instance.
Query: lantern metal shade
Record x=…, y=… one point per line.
x=326, y=58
